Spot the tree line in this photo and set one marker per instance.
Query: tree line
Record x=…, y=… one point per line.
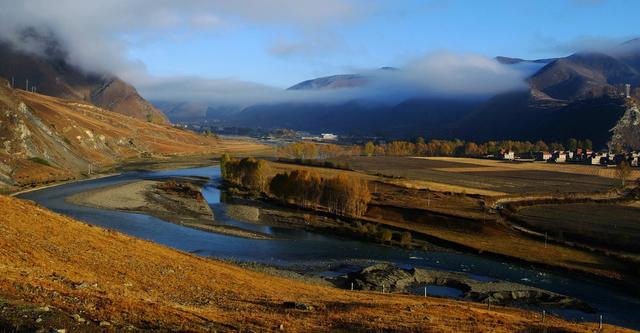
x=466, y=148
x=307, y=151
x=342, y=195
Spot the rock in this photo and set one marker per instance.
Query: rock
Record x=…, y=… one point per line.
x=77, y=318
x=61, y=330
x=104, y=324
x=43, y=309
x=82, y=285
x=39, y=320
x=281, y=327
x=398, y=279
x=298, y=306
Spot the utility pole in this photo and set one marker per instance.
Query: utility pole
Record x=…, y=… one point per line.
x=13, y=83
x=27, y=85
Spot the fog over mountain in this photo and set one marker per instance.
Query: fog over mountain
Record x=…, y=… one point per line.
x=96, y=38
x=445, y=93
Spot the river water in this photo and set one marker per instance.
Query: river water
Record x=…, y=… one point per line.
x=299, y=247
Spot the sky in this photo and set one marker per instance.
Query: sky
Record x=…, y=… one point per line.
x=216, y=49
x=390, y=33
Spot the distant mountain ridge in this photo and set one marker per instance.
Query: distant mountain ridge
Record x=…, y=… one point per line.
x=53, y=76
x=580, y=96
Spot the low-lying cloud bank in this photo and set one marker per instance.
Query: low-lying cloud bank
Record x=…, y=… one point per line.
x=96, y=36
x=440, y=74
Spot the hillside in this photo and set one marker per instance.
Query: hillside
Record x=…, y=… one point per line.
x=47, y=139
x=81, y=278
x=53, y=76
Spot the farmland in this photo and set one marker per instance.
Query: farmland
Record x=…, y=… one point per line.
x=487, y=177
x=608, y=225
x=460, y=218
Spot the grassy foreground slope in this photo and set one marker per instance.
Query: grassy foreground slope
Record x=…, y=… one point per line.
x=75, y=269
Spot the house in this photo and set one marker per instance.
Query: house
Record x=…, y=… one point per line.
x=328, y=137
x=596, y=159
x=559, y=157
x=506, y=155
x=543, y=156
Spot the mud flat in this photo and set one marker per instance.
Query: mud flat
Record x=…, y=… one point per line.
x=177, y=201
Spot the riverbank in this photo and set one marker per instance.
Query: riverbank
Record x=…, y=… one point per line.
x=427, y=215
x=62, y=274
x=175, y=200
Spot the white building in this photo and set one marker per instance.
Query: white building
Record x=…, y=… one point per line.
x=328, y=137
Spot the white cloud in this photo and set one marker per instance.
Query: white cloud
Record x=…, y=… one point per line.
x=96, y=34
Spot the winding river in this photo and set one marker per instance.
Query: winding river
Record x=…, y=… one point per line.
x=298, y=247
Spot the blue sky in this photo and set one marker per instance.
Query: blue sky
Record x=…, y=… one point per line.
x=383, y=33
x=242, y=51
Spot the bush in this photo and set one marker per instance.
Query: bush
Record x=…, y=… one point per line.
x=40, y=160
x=386, y=236
x=247, y=172
x=405, y=239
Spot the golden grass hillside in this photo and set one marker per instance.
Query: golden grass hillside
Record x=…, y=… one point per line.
x=99, y=275
x=45, y=139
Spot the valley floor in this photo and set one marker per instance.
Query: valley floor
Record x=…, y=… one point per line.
x=59, y=273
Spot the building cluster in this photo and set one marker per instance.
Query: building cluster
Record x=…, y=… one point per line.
x=579, y=156
x=324, y=137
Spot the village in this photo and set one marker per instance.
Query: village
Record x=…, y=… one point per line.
x=578, y=156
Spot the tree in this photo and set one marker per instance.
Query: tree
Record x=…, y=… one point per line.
x=471, y=149
x=540, y=146
x=345, y=195
x=405, y=239
x=386, y=236
x=623, y=171
x=588, y=144
x=369, y=148
x=224, y=160
x=572, y=144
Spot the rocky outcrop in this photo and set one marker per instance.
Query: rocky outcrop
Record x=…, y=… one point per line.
x=626, y=133
x=391, y=278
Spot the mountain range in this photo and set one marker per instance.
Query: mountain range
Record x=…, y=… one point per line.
x=574, y=96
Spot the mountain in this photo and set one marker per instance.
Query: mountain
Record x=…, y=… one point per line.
x=46, y=139
x=586, y=75
x=513, y=61
x=52, y=75
x=332, y=82
x=337, y=81
x=575, y=96
x=413, y=117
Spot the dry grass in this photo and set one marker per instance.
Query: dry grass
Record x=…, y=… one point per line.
x=484, y=177
x=72, y=134
x=406, y=207
x=49, y=259
x=577, y=169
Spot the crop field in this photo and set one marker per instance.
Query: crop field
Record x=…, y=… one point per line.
x=485, y=177
x=611, y=225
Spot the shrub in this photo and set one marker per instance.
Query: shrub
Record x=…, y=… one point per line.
x=405, y=239
x=386, y=236
x=40, y=160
